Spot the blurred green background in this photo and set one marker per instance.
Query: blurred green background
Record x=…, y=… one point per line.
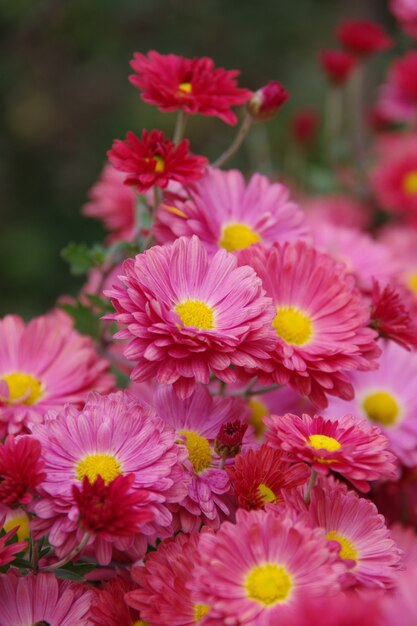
x=65, y=96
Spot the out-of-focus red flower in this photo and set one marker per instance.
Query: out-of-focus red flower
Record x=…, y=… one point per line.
x=21, y=470
x=391, y=318
x=154, y=160
x=266, y=102
x=304, y=126
x=363, y=37
x=337, y=65
x=194, y=85
x=377, y=119
x=228, y=442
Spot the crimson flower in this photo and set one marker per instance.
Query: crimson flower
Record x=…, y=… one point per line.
x=21, y=470
x=391, y=318
x=154, y=160
x=363, y=37
x=228, y=442
x=304, y=126
x=337, y=65
x=266, y=102
x=194, y=85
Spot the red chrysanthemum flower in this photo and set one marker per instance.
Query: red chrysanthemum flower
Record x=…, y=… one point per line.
x=304, y=126
x=8, y=552
x=350, y=447
x=391, y=318
x=258, y=477
x=363, y=37
x=228, y=442
x=266, y=102
x=173, y=82
x=154, y=160
x=337, y=64
x=109, y=607
x=111, y=509
x=21, y=470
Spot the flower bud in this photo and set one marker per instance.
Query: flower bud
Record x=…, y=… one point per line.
x=266, y=102
x=337, y=65
x=228, y=442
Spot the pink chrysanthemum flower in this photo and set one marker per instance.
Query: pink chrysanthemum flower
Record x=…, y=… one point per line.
x=372, y=559
x=394, y=182
x=387, y=397
x=8, y=551
x=357, y=450
x=392, y=317
x=406, y=13
x=109, y=607
x=188, y=315
x=155, y=160
x=335, y=209
x=21, y=470
x=43, y=599
x=197, y=421
x=173, y=82
x=320, y=320
x=43, y=365
x=398, y=97
x=112, y=436
x=225, y=212
x=402, y=241
x=163, y=596
x=261, y=568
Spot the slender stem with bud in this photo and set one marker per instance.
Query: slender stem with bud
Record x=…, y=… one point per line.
x=237, y=142
x=180, y=125
x=70, y=556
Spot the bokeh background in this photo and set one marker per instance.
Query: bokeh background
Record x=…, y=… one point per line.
x=65, y=96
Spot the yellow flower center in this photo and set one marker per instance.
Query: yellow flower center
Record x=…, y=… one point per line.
x=185, y=88
x=292, y=325
x=412, y=282
x=140, y=622
x=268, y=584
x=258, y=412
x=347, y=549
x=199, y=450
x=93, y=465
x=381, y=407
x=160, y=164
x=200, y=610
x=409, y=183
x=23, y=387
x=267, y=494
x=20, y=519
x=323, y=442
x=238, y=237
x=196, y=313
x=174, y=210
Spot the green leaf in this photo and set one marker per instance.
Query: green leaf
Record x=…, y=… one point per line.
x=81, y=258
x=85, y=320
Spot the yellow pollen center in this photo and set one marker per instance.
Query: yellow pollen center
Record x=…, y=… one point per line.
x=200, y=610
x=23, y=386
x=268, y=584
x=238, y=237
x=196, y=313
x=381, y=407
x=199, y=450
x=160, y=164
x=266, y=493
x=185, y=88
x=174, y=210
x=412, y=282
x=140, y=622
x=20, y=519
x=347, y=549
x=93, y=465
x=409, y=183
x=258, y=412
x=323, y=442
x=292, y=325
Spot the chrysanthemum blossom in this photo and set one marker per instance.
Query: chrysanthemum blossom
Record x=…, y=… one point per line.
x=391, y=316
x=226, y=212
x=39, y=599
x=386, y=397
x=341, y=609
x=197, y=421
x=266, y=101
x=258, y=476
x=155, y=160
x=21, y=470
x=173, y=82
x=363, y=37
x=406, y=13
x=109, y=607
x=43, y=365
x=112, y=436
x=355, y=449
x=394, y=182
x=188, y=315
x=8, y=551
x=398, y=97
x=163, y=595
x=262, y=568
x=337, y=65
x=371, y=557
x=320, y=320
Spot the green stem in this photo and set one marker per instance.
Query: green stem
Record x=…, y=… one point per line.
x=260, y=390
x=333, y=120
x=237, y=142
x=70, y=556
x=180, y=124
x=311, y=484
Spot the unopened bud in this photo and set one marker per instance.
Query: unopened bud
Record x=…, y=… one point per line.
x=337, y=65
x=266, y=102
x=228, y=442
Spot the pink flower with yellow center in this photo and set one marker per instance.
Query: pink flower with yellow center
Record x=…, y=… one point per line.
x=226, y=212
x=394, y=182
x=261, y=569
x=398, y=96
x=112, y=436
x=371, y=557
x=357, y=450
x=43, y=365
x=320, y=321
x=188, y=315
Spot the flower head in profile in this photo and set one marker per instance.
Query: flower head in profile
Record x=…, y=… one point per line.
x=392, y=317
x=266, y=101
x=226, y=212
x=43, y=365
x=262, y=568
x=394, y=182
x=21, y=470
x=347, y=446
x=363, y=37
x=187, y=315
x=320, y=320
x=196, y=86
x=154, y=160
x=337, y=65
